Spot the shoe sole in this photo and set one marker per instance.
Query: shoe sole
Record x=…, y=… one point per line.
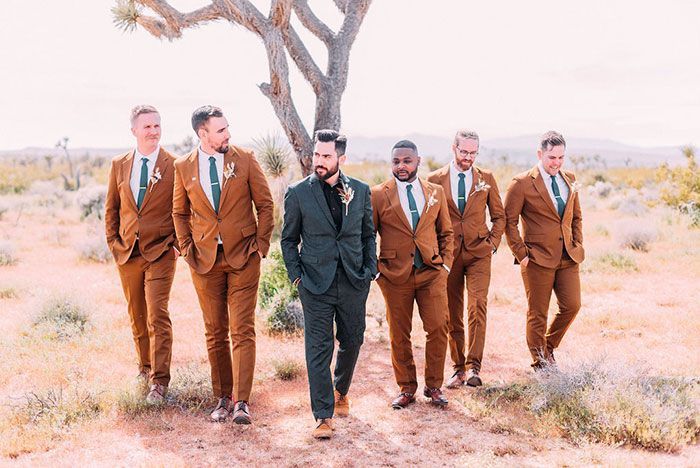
x=323, y=436
x=398, y=407
x=474, y=382
x=242, y=420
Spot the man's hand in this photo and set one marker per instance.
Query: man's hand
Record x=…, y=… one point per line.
x=296, y=282
x=177, y=252
x=525, y=261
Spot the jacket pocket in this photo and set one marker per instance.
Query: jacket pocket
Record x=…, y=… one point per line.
x=249, y=230
x=535, y=238
x=309, y=259
x=483, y=233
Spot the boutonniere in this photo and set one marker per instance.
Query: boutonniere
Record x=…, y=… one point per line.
x=229, y=171
x=155, y=178
x=576, y=186
x=432, y=200
x=480, y=186
x=346, y=195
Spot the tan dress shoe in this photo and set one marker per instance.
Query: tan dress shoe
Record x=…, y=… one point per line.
x=324, y=430
x=436, y=397
x=222, y=410
x=156, y=396
x=473, y=379
x=458, y=380
x=342, y=405
x=241, y=413
x=403, y=400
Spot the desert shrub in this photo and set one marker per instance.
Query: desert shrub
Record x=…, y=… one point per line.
x=7, y=254
x=600, y=189
x=274, y=280
x=4, y=208
x=274, y=154
x=635, y=236
x=602, y=230
x=287, y=369
x=45, y=193
x=8, y=293
x=618, y=405
x=286, y=315
x=692, y=210
x=632, y=206
x=682, y=183
x=63, y=317
x=190, y=388
x=617, y=261
x=91, y=201
x=94, y=249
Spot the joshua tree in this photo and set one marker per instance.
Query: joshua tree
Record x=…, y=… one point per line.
x=279, y=39
x=72, y=180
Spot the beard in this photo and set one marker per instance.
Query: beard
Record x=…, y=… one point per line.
x=223, y=149
x=329, y=172
x=404, y=177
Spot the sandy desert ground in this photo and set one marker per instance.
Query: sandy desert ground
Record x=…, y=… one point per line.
x=643, y=314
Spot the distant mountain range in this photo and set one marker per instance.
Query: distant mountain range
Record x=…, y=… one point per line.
x=518, y=150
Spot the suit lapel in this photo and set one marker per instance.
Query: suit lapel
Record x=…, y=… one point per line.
x=127, y=164
x=426, y=194
x=538, y=182
x=476, y=176
x=160, y=167
x=317, y=190
x=391, y=192
x=569, y=203
x=347, y=183
x=193, y=173
x=446, y=183
x=231, y=157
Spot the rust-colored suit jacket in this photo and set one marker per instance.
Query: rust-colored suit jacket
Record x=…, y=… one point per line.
x=470, y=227
x=198, y=225
x=153, y=223
x=433, y=235
x=544, y=235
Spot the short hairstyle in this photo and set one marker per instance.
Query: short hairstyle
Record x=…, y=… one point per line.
x=467, y=135
x=140, y=110
x=405, y=144
x=325, y=135
x=551, y=139
x=201, y=115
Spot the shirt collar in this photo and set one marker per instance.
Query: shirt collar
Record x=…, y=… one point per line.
x=402, y=185
x=207, y=155
x=545, y=175
x=151, y=157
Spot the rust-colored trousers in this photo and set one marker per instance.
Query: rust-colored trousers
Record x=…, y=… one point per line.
x=228, y=298
x=539, y=284
x=427, y=287
x=477, y=272
x=147, y=290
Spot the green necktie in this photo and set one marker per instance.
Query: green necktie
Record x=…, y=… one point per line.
x=415, y=217
x=461, y=193
x=143, y=183
x=215, y=187
x=560, y=201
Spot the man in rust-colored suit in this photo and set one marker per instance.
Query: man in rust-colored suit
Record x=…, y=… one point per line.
x=415, y=256
x=216, y=187
x=551, y=247
x=470, y=190
x=141, y=236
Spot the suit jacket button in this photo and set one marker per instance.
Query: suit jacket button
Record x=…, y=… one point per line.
x=218, y=220
x=561, y=238
x=139, y=216
x=412, y=254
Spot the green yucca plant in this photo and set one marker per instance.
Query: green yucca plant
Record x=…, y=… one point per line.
x=273, y=153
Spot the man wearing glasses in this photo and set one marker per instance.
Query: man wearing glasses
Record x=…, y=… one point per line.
x=470, y=191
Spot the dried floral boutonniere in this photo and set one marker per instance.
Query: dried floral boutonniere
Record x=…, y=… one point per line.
x=480, y=186
x=432, y=200
x=229, y=171
x=346, y=195
x=576, y=186
x=155, y=178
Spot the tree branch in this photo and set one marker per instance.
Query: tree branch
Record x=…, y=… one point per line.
x=342, y=5
x=173, y=21
x=313, y=23
x=303, y=59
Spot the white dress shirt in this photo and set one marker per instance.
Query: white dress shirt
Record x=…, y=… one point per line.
x=135, y=178
x=205, y=178
x=454, y=182
x=561, y=183
x=418, y=195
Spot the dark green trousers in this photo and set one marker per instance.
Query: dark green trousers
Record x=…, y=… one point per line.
x=343, y=304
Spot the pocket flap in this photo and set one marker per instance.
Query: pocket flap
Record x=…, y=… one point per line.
x=483, y=233
x=249, y=230
x=309, y=259
x=387, y=254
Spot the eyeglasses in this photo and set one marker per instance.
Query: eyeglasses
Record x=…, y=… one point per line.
x=467, y=153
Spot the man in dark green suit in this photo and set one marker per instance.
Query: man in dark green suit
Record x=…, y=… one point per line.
x=330, y=215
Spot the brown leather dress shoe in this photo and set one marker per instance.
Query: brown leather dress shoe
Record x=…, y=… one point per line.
x=458, y=380
x=403, y=400
x=473, y=379
x=241, y=413
x=436, y=396
x=156, y=396
x=342, y=405
x=222, y=410
x=324, y=430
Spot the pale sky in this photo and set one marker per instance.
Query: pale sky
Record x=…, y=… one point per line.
x=619, y=69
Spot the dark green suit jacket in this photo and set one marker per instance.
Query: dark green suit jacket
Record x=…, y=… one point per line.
x=308, y=222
